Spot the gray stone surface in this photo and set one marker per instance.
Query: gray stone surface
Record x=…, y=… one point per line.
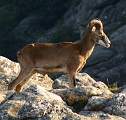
x=117, y=105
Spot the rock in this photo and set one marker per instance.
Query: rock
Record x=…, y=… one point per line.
x=83, y=80
x=96, y=103
x=8, y=68
x=73, y=97
x=39, y=79
x=5, y=95
x=86, y=88
x=123, y=89
x=37, y=103
x=100, y=116
x=117, y=105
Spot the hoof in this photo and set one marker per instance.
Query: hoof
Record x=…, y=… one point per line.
x=18, y=88
x=72, y=85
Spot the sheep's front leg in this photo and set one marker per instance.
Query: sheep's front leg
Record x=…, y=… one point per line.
x=72, y=70
x=73, y=67
x=72, y=78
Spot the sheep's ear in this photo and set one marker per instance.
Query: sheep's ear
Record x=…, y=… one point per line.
x=93, y=29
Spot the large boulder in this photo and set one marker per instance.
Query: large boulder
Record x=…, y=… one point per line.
x=8, y=67
x=100, y=116
x=35, y=103
x=9, y=70
x=96, y=103
x=85, y=89
x=117, y=105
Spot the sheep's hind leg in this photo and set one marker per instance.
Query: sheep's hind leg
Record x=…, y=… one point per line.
x=22, y=75
x=19, y=86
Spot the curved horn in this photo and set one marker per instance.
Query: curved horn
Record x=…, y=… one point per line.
x=95, y=23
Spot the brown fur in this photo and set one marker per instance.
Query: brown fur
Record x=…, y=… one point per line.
x=67, y=57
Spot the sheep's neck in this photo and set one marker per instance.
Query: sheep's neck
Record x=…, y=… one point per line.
x=87, y=45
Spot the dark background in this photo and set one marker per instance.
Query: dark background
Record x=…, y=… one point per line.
x=27, y=21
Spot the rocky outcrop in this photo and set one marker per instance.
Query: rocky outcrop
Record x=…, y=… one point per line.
x=85, y=89
x=8, y=71
x=37, y=103
x=47, y=99
x=8, y=68
x=117, y=105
